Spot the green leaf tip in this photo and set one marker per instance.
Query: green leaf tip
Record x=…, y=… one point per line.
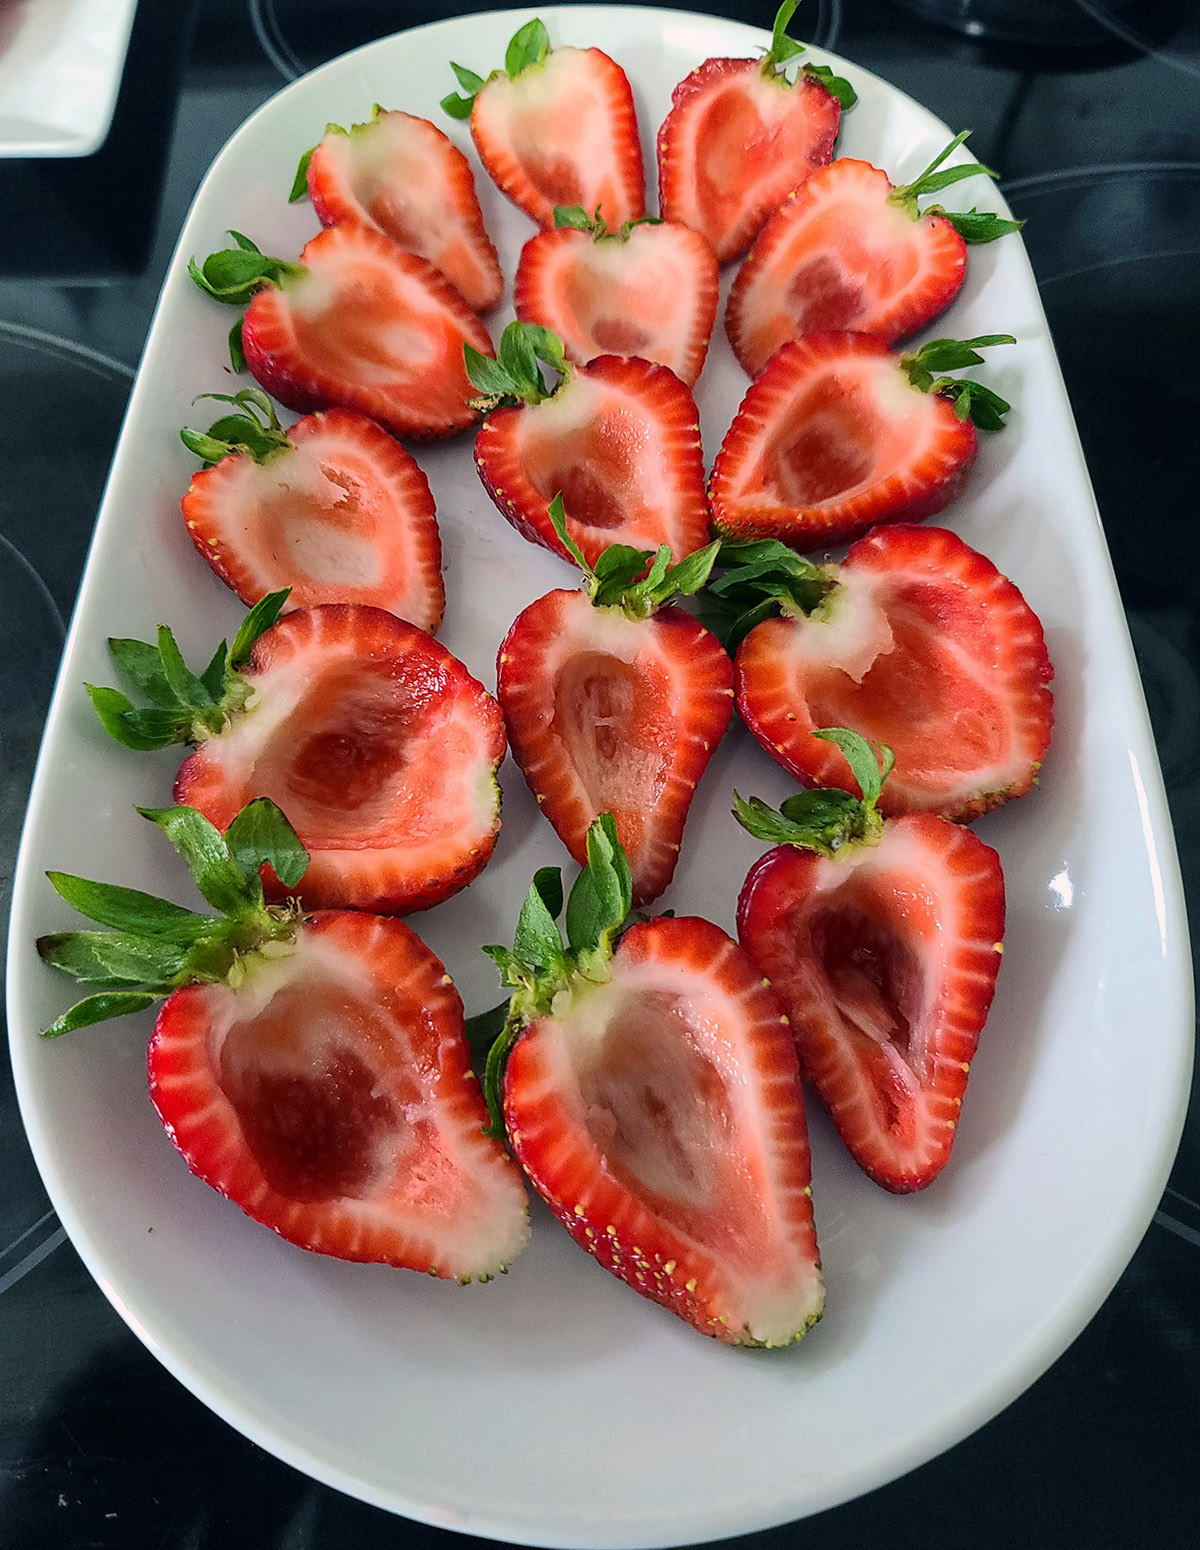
x=974, y=226
x=760, y=579
x=254, y=428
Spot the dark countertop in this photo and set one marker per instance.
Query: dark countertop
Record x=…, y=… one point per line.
x=1098, y=138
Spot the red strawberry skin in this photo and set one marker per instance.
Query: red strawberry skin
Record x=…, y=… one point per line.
x=925, y=647
x=404, y=177
x=331, y=1097
x=885, y=960
x=563, y=133
x=652, y=294
x=660, y=1117
x=735, y=144
x=837, y=256
x=831, y=439
x=378, y=745
x=346, y=516
x=371, y=328
x=620, y=440
x=611, y=714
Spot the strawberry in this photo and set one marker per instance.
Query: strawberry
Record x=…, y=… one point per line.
x=915, y=640
x=312, y=1069
x=649, y=1089
x=839, y=433
x=648, y=289
x=848, y=250
x=851, y=251
x=556, y=126
x=883, y=940
x=614, y=703
x=740, y=136
x=618, y=439
x=402, y=176
x=357, y=323
x=333, y=507
x=380, y=742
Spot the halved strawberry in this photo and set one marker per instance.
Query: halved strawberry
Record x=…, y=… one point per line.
x=380, y=744
x=402, y=176
x=650, y=1092
x=314, y=1070
x=916, y=641
x=646, y=288
x=614, y=703
x=334, y=507
x=740, y=136
x=619, y=439
x=848, y=250
x=883, y=941
x=556, y=127
x=839, y=433
x=357, y=323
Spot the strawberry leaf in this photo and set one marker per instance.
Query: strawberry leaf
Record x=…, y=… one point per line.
x=528, y=46
x=127, y=909
x=985, y=408
x=116, y=958
x=537, y=941
x=254, y=429
x=489, y=376
x=141, y=730
x=602, y=895
x=261, y=836
x=141, y=665
x=859, y=754
x=825, y=820
x=978, y=226
x=256, y=623
x=232, y=275
x=99, y=1009
x=300, y=181
x=577, y=218
x=836, y=85
x=237, y=355
x=216, y=873
x=782, y=47
x=760, y=579
x=558, y=520
x=183, y=683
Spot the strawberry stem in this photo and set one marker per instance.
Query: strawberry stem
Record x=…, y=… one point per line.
x=826, y=820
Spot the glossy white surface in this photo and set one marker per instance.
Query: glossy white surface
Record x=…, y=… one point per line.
x=554, y=1406
x=60, y=68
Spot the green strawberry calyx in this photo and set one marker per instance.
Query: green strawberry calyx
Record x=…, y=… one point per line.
x=973, y=226
x=541, y=969
x=528, y=49
x=577, y=219
x=636, y=581
x=184, y=707
x=253, y=428
x=926, y=368
x=829, y=821
x=515, y=376
x=152, y=947
x=784, y=49
x=762, y=578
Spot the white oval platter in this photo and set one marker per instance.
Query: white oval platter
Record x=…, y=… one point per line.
x=554, y=1407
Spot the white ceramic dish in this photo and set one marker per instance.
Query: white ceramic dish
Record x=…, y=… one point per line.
x=555, y=1407
x=60, y=67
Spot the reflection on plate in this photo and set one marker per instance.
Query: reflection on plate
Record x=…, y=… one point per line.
x=60, y=67
x=553, y=1406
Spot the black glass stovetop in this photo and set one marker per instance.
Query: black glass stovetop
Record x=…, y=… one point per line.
x=1091, y=109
